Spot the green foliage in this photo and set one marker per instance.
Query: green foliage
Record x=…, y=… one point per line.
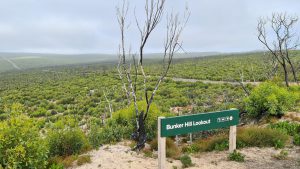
x=217, y=142
x=64, y=142
x=186, y=161
x=94, y=136
x=126, y=117
x=112, y=133
x=290, y=128
x=224, y=145
x=246, y=137
x=56, y=166
x=60, y=99
x=20, y=144
x=297, y=139
x=269, y=99
x=193, y=148
x=236, y=156
x=261, y=137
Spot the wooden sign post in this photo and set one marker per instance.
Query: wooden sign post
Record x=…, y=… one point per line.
x=193, y=123
x=161, y=141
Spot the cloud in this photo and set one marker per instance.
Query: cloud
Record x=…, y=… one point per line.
x=90, y=26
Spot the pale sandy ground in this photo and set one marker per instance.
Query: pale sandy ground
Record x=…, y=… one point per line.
x=120, y=157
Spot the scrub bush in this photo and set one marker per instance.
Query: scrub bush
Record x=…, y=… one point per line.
x=186, y=161
x=65, y=142
x=126, y=117
x=269, y=99
x=20, y=144
x=236, y=156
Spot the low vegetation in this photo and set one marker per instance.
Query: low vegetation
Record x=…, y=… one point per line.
x=246, y=137
x=186, y=161
x=269, y=99
x=236, y=156
x=83, y=160
x=290, y=128
x=48, y=118
x=20, y=143
x=283, y=155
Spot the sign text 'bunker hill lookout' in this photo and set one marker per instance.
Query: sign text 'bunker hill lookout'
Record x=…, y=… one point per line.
x=198, y=122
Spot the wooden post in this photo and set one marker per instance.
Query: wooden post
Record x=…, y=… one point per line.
x=232, y=138
x=161, y=146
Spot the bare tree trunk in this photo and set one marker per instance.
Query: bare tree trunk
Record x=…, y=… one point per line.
x=154, y=12
x=286, y=77
x=293, y=71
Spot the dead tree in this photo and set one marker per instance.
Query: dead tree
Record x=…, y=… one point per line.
x=285, y=40
x=153, y=14
x=270, y=66
x=109, y=102
x=241, y=82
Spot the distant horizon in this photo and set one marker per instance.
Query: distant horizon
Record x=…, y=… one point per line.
x=94, y=53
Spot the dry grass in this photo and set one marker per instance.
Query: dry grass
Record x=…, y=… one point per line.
x=65, y=161
x=172, y=150
x=83, y=160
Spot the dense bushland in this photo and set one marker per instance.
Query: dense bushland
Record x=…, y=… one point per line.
x=62, y=112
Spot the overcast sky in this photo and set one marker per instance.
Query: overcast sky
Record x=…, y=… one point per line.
x=90, y=26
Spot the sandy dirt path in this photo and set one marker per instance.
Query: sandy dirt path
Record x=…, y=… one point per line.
x=120, y=157
x=12, y=63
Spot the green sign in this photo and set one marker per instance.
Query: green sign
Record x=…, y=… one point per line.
x=198, y=122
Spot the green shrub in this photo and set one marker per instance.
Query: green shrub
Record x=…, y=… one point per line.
x=126, y=117
x=64, y=142
x=269, y=99
x=236, y=156
x=21, y=145
x=289, y=128
x=94, y=136
x=186, y=161
x=219, y=143
x=112, y=133
x=297, y=139
x=261, y=137
x=224, y=145
x=246, y=137
x=191, y=148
